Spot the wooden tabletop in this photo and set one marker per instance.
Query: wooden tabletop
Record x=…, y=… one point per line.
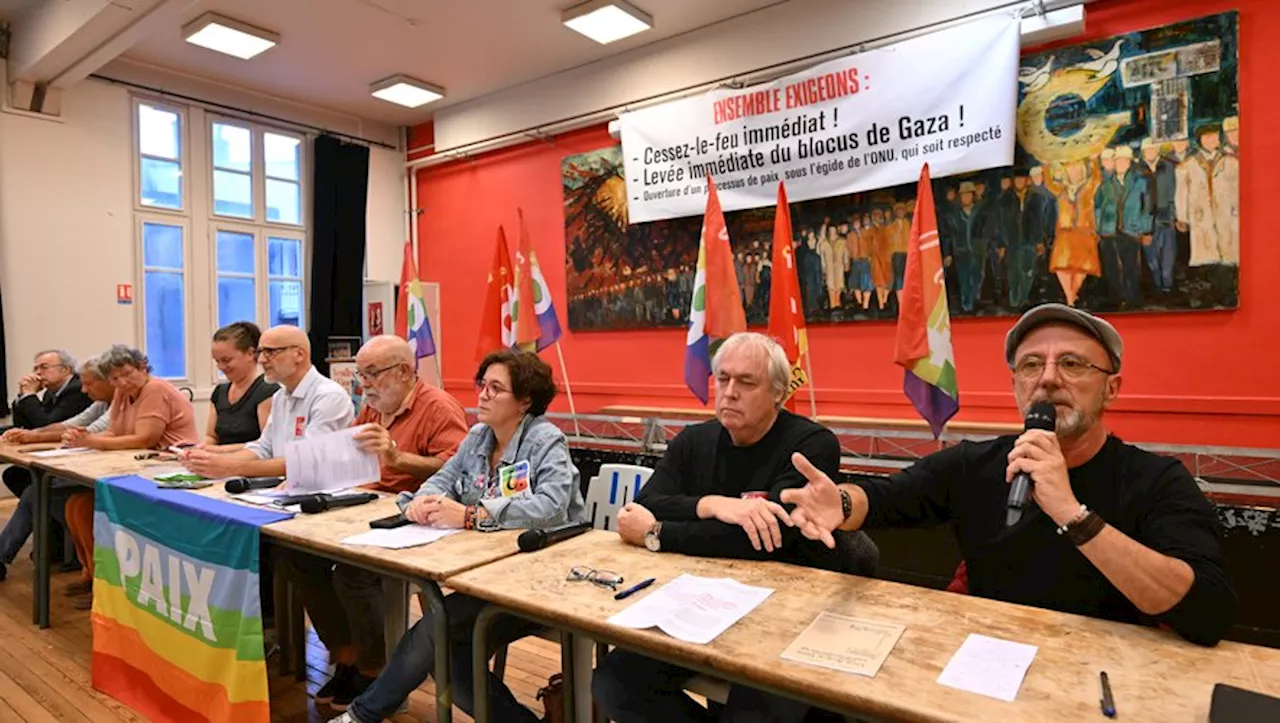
x=324, y=532
x=1155, y=675
x=19, y=454
x=89, y=467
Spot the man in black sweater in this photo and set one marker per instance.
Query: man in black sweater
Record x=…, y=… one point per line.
x=715, y=494
x=1110, y=531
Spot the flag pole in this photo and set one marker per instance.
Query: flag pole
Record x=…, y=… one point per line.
x=813, y=402
x=564, y=374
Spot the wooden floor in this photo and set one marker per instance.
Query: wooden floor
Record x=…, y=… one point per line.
x=44, y=674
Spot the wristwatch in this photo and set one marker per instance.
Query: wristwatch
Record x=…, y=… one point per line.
x=846, y=505
x=653, y=538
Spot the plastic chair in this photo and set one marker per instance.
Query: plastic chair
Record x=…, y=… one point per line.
x=615, y=486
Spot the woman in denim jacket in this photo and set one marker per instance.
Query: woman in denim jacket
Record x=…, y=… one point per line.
x=512, y=471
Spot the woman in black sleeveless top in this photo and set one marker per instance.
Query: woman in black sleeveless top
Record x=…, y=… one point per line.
x=239, y=406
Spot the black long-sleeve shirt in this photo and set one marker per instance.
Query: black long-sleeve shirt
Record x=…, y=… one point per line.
x=702, y=461
x=1151, y=498
x=33, y=412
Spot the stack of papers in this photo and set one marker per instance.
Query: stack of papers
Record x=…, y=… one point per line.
x=329, y=463
x=62, y=452
x=989, y=666
x=850, y=645
x=271, y=498
x=400, y=537
x=693, y=609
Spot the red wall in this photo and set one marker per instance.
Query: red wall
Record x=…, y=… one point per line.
x=1190, y=378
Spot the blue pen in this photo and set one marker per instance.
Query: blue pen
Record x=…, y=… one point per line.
x=1108, y=703
x=633, y=589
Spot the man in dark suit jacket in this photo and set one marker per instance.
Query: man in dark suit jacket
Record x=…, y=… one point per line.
x=54, y=373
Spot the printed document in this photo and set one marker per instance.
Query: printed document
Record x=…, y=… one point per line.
x=989, y=666
x=850, y=645
x=400, y=537
x=328, y=463
x=693, y=609
x=62, y=452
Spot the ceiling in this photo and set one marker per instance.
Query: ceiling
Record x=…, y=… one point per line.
x=331, y=50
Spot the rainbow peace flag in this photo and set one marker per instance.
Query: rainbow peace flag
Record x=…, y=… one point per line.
x=177, y=620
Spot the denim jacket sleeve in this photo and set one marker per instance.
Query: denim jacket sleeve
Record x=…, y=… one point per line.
x=555, y=497
x=445, y=480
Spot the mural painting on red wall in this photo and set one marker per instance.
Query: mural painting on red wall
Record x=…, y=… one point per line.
x=1125, y=197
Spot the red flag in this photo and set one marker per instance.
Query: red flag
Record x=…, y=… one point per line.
x=495, y=322
x=408, y=272
x=725, y=315
x=786, y=314
x=527, y=330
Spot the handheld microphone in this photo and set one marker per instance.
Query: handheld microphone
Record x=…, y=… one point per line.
x=238, y=485
x=312, y=504
x=531, y=540
x=1042, y=415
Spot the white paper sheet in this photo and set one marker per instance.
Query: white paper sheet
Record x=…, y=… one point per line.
x=400, y=537
x=62, y=452
x=989, y=666
x=693, y=609
x=328, y=463
x=271, y=498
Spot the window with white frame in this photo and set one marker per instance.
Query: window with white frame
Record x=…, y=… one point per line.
x=235, y=186
x=257, y=177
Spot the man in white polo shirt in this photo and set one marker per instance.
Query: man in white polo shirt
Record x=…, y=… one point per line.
x=308, y=404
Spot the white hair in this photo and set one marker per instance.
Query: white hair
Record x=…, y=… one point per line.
x=64, y=358
x=776, y=364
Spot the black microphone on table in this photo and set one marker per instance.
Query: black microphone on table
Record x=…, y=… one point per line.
x=237, y=485
x=1042, y=415
x=531, y=540
x=311, y=504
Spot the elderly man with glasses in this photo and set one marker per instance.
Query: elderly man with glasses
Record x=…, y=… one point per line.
x=1114, y=532
x=54, y=373
x=414, y=428
x=308, y=404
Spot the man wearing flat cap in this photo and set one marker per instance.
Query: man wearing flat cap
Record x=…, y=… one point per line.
x=1114, y=532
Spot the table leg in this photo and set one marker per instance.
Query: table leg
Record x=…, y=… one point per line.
x=40, y=595
x=480, y=662
x=568, y=653
x=440, y=619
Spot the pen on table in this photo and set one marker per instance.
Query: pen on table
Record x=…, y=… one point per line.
x=634, y=589
x=1108, y=703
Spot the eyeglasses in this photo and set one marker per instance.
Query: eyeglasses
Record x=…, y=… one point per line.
x=45, y=367
x=492, y=389
x=603, y=578
x=1069, y=366
x=270, y=352
x=372, y=376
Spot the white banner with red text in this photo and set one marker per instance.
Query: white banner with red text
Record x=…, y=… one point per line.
x=863, y=122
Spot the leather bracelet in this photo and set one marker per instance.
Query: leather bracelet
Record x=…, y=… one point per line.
x=1084, y=528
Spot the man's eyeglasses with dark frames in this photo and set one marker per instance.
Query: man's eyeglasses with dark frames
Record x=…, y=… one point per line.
x=603, y=578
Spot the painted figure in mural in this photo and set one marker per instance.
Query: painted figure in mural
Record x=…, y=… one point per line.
x=1125, y=217
x=1026, y=233
x=1207, y=201
x=835, y=259
x=1075, y=245
x=881, y=258
x=899, y=238
x=969, y=248
x=859, y=263
x=1162, y=184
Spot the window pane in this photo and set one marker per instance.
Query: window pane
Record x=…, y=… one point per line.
x=232, y=147
x=286, y=303
x=282, y=156
x=236, y=298
x=162, y=245
x=284, y=202
x=284, y=257
x=166, y=323
x=158, y=132
x=233, y=194
x=235, y=253
x=161, y=183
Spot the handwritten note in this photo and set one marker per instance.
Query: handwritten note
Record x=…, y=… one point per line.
x=328, y=463
x=989, y=666
x=850, y=645
x=400, y=537
x=693, y=609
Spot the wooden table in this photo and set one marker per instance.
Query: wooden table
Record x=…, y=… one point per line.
x=1155, y=675
x=425, y=566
